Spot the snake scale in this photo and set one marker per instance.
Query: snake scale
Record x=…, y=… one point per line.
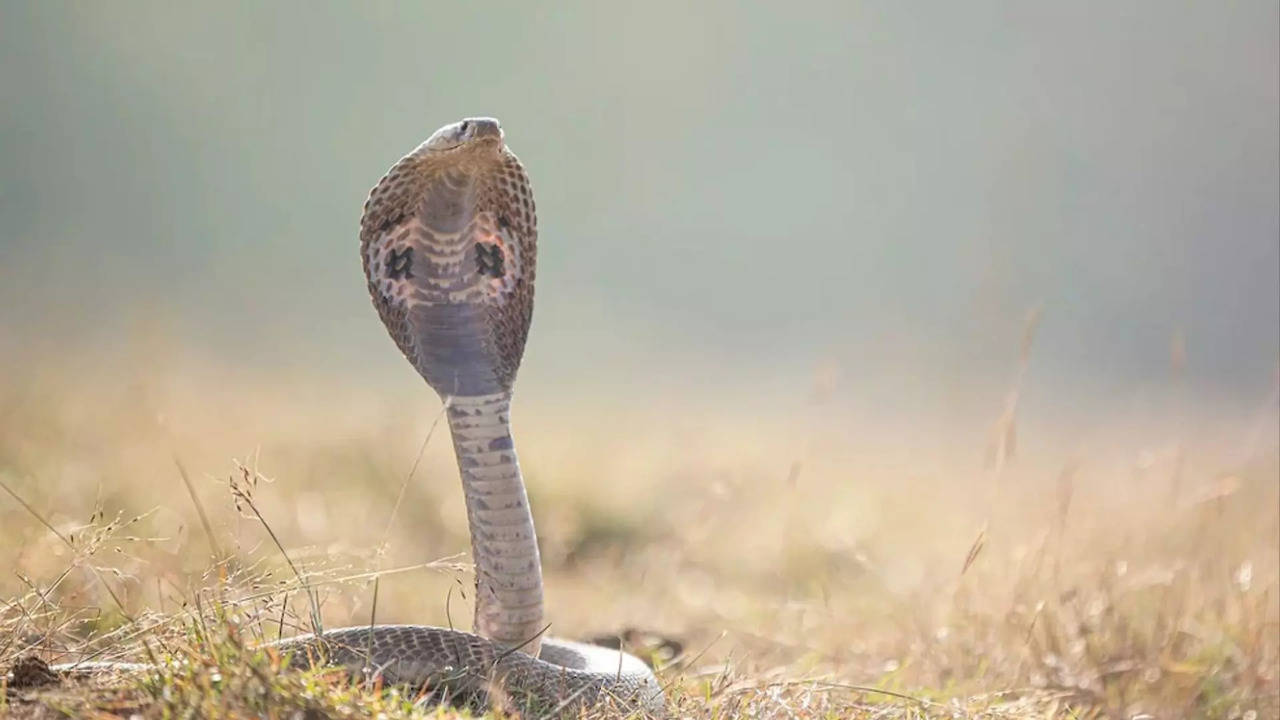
x=448, y=241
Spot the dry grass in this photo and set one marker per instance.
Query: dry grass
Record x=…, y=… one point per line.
x=816, y=565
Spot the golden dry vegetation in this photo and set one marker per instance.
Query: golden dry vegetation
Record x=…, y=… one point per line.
x=806, y=564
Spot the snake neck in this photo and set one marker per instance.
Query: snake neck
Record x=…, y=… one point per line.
x=503, y=542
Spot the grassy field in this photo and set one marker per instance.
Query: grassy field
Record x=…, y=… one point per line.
x=799, y=564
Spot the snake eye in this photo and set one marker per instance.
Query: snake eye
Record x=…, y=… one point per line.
x=462, y=129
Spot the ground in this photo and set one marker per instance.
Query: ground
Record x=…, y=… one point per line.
x=792, y=567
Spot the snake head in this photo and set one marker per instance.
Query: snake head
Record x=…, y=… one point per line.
x=471, y=133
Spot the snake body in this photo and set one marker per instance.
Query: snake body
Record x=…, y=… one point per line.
x=448, y=240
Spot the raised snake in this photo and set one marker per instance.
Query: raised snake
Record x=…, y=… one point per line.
x=448, y=241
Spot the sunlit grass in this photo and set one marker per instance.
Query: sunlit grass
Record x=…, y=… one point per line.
x=770, y=567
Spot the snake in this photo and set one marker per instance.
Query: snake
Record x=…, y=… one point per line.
x=448, y=242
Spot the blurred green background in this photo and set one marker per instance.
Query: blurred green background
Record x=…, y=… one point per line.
x=730, y=195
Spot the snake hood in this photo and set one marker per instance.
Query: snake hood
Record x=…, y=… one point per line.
x=449, y=243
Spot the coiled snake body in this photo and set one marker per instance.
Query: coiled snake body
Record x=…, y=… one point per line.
x=448, y=241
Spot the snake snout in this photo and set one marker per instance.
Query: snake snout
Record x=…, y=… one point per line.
x=480, y=128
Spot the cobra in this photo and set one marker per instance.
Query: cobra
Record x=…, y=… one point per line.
x=448, y=241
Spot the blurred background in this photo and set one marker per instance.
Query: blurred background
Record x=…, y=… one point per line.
x=727, y=195
x=787, y=250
